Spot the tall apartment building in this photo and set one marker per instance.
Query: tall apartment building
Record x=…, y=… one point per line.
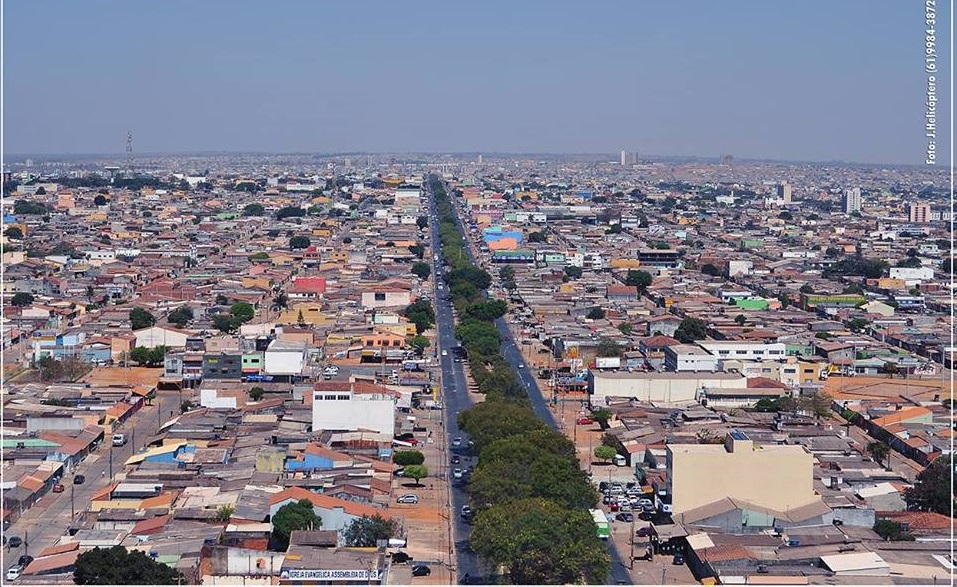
x=852, y=200
x=784, y=192
x=918, y=212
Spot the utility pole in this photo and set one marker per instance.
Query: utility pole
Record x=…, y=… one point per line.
x=72, y=510
x=111, y=460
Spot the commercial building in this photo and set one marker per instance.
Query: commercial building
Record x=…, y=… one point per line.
x=918, y=212
x=341, y=405
x=778, y=477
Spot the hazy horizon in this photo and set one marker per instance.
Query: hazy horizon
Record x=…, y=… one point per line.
x=808, y=82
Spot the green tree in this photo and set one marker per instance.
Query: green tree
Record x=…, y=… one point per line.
x=99, y=200
x=140, y=318
x=486, y=422
x=891, y=530
x=422, y=221
x=539, y=542
x=366, y=531
x=857, y=324
x=408, y=457
x=256, y=393
x=420, y=313
x=608, y=348
x=119, y=566
x=290, y=212
x=420, y=343
x=595, y=313
x=740, y=319
x=625, y=328
x=879, y=450
x=254, y=209
x=487, y=311
x=416, y=472
x=640, y=279
x=225, y=512
x=225, y=323
x=602, y=416
x=14, y=233
x=691, y=329
x=242, y=311
x=22, y=299
x=537, y=237
x=573, y=271
x=933, y=488
x=180, y=316
x=417, y=250
x=298, y=515
x=806, y=289
x=605, y=453
x=421, y=270
x=299, y=242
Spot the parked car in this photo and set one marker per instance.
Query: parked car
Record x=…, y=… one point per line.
x=456, y=473
x=119, y=439
x=79, y=479
x=678, y=560
x=625, y=517
x=645, y=532
x=401, y=557
x=408, y=498
x=25, y=560
x=457, y=441
x=13, y=573
x=58, y=488
x=467, y=510
x=585, y=421
x=421, y=571
x=456, y=459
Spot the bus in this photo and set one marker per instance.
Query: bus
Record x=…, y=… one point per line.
x=601, y=522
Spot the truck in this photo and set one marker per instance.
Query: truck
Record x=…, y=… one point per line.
x=603, y=530
x=608, y=363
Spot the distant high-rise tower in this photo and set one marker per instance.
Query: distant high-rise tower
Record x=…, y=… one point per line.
x=479, y=159
x=129, y=152
x=852, y=200
x=784, y=192
x=624, y=157
x=918, y=212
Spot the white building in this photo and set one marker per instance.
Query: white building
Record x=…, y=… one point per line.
x=852, y=200
x=285, y=357
x=912, y=275
x=749, y=351
x=661, y=388
x=155, y=336
x=689, y=357
x=345, y=405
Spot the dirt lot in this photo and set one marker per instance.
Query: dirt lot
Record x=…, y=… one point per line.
x=107, y=376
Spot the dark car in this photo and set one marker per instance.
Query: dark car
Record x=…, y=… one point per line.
x=25, y=560
x=646, y=531
x=58, y=488
x=678, y=560
x=79, y=479
x=625, y=517
x=401, y=557
x=15, y=542
x=421, y=571
x=456, y=459
x=467, y=579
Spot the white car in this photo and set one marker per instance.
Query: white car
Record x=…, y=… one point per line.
x=457, y=473
x=457, y=441
x=408, y=498
x=521, y=365
x=13, y=573
x=445, y=353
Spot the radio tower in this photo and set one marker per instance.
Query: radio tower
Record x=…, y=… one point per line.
x=129, y=152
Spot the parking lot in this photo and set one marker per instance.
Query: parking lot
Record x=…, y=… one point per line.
x=426, y=522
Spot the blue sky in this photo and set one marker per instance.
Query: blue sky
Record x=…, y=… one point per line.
x=810, y=80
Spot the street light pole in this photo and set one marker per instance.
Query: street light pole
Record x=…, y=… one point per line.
x=72, y=510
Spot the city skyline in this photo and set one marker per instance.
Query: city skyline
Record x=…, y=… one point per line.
x=501, y=79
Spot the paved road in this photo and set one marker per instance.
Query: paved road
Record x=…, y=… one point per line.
x=44, y=523
x=455, y=398
x=458, y=400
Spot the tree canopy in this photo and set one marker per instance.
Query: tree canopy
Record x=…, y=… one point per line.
x=420, y=313
x=299, y=242
x=298, y=515
x=254, y=209
x=21, y=299
x=421, y=269
x=541, y=543
x=638, y=278
x=933, y=488
x=366, y=531
x=140, y=318
x=691, y=329
x=118, y=566
x=408, y=457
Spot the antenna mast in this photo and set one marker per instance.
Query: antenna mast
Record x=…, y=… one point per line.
x=129, y=152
